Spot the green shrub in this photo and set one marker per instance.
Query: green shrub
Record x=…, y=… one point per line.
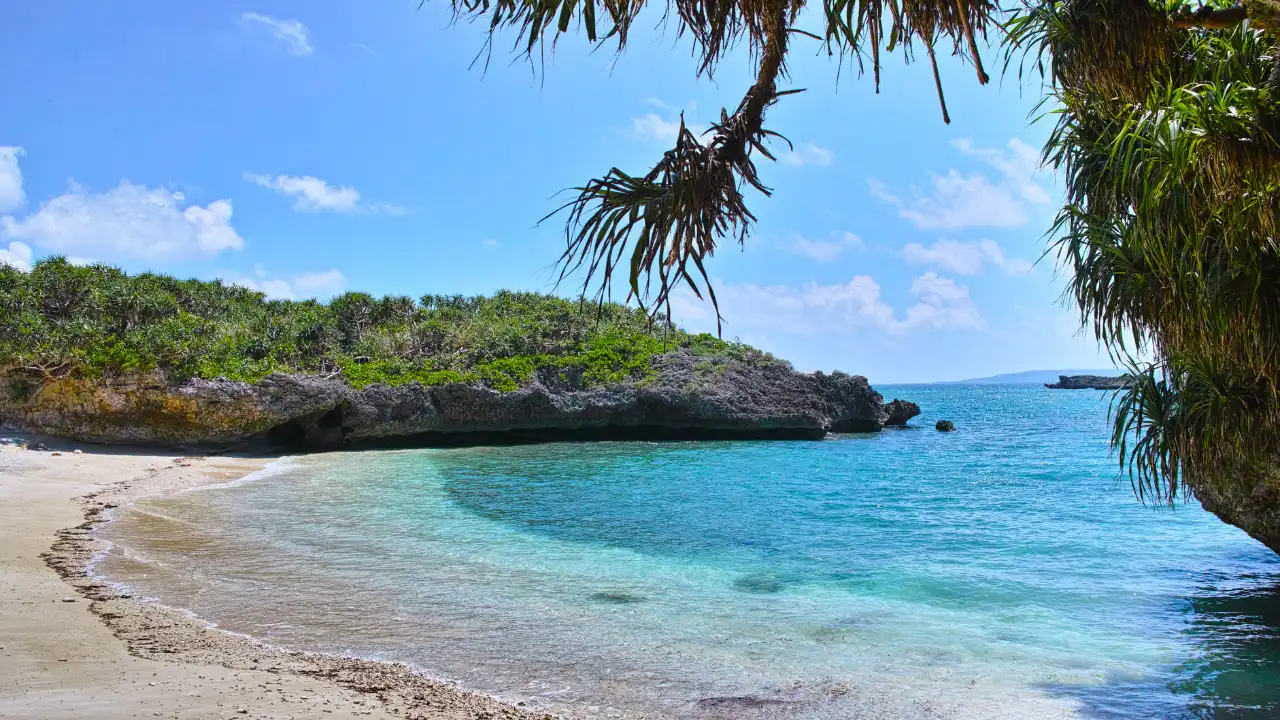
x=97, y=321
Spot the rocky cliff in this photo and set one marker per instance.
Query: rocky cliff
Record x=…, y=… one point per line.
x=899, y=412
x=1251, y=502
x=1090, y=382
x=685, y=397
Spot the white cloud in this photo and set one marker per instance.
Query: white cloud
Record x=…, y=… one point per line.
x=839, y=309
x=652, y=127
x=962, y=200
x=958, y=201
x=322, y=285
x=17, y=255
x=364, y=48
x=290, y=32
x=11, y=196
x=382, y=208
x=690, y=106
x=664, y=126
x=965, y=258
x=807, y=154
x=490, y=243
x=825, y=250
x=311, y=194
x=805, y=310
x=943, y=305
x=1019, y=166
x=129, y=221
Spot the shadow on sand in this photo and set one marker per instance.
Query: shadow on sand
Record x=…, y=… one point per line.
x=50, y=443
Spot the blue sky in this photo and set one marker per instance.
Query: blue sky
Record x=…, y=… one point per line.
x=305, y=148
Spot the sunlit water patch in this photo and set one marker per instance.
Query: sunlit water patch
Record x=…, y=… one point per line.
x=1000, y=571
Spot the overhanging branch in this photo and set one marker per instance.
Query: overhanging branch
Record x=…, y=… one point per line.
x=669, y=220
x=1208, y=18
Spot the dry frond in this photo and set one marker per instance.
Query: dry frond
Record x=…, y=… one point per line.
x=670, y=219
x=717, y=25
x=531, y=20
x=856, y=26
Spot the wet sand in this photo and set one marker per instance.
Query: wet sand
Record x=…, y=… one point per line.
x=71, y=647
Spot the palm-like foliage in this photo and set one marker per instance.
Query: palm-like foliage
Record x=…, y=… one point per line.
x=661, y=225
x=1167, y=139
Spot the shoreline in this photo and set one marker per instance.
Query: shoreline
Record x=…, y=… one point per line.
x=253, y=679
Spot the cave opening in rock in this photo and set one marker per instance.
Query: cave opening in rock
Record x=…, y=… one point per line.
x=331, y=419
x=314, y=431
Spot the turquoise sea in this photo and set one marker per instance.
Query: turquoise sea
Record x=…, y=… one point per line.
x=1002, y=571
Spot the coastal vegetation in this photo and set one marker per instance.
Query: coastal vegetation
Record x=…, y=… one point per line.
x=1166, y=139
x=61, y=320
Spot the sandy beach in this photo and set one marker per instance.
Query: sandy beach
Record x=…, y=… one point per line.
x=72, y=647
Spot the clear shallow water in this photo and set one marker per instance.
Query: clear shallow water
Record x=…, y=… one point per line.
x=1000, y=571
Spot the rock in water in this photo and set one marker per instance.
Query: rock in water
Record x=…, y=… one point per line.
x=762, y=583
x=615, y=597
x=945, y=426
x=1090, y=382
x=679, y=399
x=899, y=412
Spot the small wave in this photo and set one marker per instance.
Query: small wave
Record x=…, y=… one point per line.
x=275, y=467
x=150, y=513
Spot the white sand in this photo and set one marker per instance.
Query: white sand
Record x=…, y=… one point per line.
x=59, y=659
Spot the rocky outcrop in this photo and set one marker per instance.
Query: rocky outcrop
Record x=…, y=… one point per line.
x=899, y=412
x=686, y=397
x=1249, y=501
x=944, y=426
x=1090, y=382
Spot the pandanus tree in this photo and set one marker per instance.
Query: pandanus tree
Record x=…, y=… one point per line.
x=1166, y=137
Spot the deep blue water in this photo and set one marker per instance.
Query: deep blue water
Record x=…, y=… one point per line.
x=1004, y=570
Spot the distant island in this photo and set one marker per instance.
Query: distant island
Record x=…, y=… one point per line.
x=1091, y=382
x=1031, y=377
